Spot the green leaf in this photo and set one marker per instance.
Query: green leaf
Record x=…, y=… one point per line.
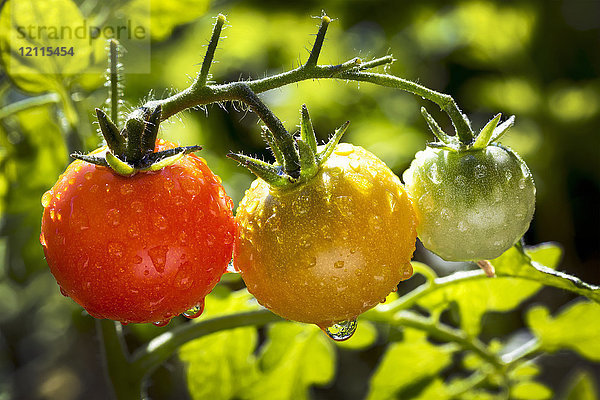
x=576, y=327
x=222, y=365
x=39, y=24
x=530, y=391
x=525, y=371
x=530, y=266
x=295, y=357
x=582, y=387
x=164, y=15
x=406, y=363
x=481, y=294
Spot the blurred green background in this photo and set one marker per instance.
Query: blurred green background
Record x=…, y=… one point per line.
x=538, y=60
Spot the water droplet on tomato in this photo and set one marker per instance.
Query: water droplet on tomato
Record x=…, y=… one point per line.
x=301, y=205
x=460, y=180
x=137, y=206
x=433, y=174
x=159, y=221
x=137, y=259
x=113, y=216
x=522, y=183
x=88, y=175
x=126, y=189
x=508, y=175
x=344, y=205
x=355, y=165
x=228, y=238
x=391, y=200
x=311, y=261
x=343, y=149
x=162, y=323
x=231, y=268
x=445, y=213
x=64, y=292
x=339, y=264
x=375, y=222
x=46, y=198
x=195, y=311
x=480, y=171
x=305, y=241
x=43, y=240
x=158, y=255
x=52, y=216
x=341, y=331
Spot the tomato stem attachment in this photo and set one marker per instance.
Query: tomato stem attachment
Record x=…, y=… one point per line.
x=305, y=149
x=132, y=149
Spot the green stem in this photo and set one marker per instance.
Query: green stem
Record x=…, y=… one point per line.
x=283, y=140
x=448, y=334
x=527, y=349
x=31, y=102
x=114, y=81
x=210, y=52
x=126, y=379
x=444, y=101
x=159, y=349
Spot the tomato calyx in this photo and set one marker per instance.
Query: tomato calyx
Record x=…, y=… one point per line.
x=304, y=149
x=491, y=132
x=131, y=149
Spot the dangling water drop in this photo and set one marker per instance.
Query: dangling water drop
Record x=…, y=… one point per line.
x=231, y=268
x=195, y=311
x=161, y=323
x=342, y=330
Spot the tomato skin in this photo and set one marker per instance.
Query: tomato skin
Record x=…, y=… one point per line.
x=331, y=248
x=138, y=249
x=472, y=205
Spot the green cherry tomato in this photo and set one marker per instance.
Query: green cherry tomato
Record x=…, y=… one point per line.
x=472, y=205
x=329, y=249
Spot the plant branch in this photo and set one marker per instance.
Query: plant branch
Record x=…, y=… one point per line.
x=31, y=102
x=210, y=52
x=448, y=334
x=318, y=45
x=159, y=349
x=525, y=350
x=126, y=379
x=114, y=81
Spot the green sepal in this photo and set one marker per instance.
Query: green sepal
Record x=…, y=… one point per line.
x=308, y=161
x=307, y=133
x=271, y=174
x=112, y=136
x=96, y=160
x=439, y=145
x=119, y=166
x=483, y=139
x=161, y=159
x=436, y=130
x=335, y=139
x=151, y=130
x=502, y=128
x=270, y=139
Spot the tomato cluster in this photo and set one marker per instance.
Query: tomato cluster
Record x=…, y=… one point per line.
x=323, y=234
